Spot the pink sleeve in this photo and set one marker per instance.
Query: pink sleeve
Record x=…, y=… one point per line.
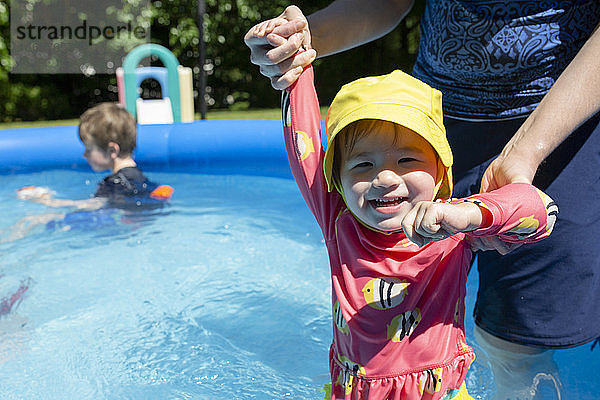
x=521, y=213
x=302, y=129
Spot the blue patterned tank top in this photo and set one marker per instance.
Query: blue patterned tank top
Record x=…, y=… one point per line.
x=496, y=59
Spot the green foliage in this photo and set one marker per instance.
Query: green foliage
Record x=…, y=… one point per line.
x=232, y=81
x=235, y=83
x=31, y=97
x=396, y=50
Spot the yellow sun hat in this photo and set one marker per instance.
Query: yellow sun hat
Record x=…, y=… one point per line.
x=399, y=98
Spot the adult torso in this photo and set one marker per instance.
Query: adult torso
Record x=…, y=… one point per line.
x=496, y=59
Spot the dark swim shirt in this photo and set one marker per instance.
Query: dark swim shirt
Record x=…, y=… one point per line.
x=129, y=188
x=127, y=191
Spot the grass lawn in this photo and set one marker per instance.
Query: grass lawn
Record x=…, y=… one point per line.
x=270, y=113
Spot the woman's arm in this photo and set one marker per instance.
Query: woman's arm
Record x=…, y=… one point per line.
x=573, y=99
x=274, y=44
x=346, y=24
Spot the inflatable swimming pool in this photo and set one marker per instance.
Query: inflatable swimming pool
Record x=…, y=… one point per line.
x=224, y=294
x=249, y=146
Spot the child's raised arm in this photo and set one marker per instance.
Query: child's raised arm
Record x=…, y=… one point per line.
x=302, y=134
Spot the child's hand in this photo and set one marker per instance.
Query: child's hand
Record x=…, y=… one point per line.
x=429, y=221
x=34, y=193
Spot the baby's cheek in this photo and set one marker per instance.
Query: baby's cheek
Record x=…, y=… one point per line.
x=354, y=191
x=355, y=203
x=421, y=186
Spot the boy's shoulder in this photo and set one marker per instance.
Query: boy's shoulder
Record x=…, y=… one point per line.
x=128, y=181
x=130, y=186
x=132, y=174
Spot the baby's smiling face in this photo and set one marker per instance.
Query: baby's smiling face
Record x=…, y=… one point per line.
x=385, y=173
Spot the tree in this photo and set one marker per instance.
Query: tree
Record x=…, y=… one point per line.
x=232, y=81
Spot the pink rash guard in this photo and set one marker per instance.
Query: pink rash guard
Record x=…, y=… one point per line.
x=398, y=309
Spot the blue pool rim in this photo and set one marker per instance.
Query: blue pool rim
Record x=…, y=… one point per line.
x=241, y=146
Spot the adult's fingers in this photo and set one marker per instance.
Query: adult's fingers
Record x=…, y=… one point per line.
x=486, y=184
x=302, y=59
x=293, y=27
x=275, y=40
x=285, y=80
x=268, y=55
x=290, y=27
x=293, y=13
x=492, y=243
x=256, y=36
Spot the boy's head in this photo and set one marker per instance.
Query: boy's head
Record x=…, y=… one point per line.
x=107, y=130
x=108, y=122
x=387, y=148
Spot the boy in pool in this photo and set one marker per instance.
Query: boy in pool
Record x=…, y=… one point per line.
x=396, y=242
x=108, y=132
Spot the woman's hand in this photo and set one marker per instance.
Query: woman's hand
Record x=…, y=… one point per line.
x=276, y=44
x=508, y=167
x=486, y=243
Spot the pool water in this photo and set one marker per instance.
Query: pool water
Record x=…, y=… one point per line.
x=223, y=295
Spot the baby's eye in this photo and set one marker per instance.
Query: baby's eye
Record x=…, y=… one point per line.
x=406, y=159
x=364, y=164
